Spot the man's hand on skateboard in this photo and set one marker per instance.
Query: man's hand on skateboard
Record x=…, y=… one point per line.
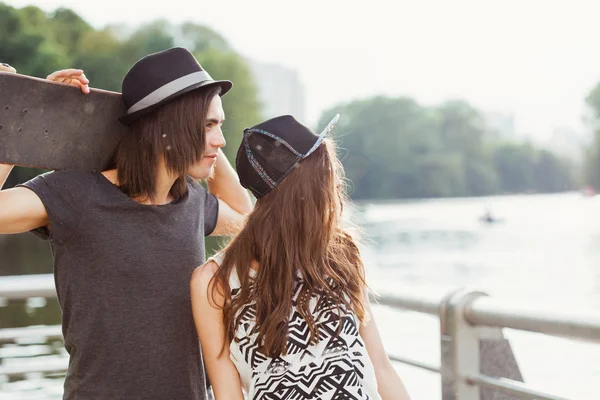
x=4, y=67
x=71, y=76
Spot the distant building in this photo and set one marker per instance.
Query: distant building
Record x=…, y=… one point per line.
x=280, y=90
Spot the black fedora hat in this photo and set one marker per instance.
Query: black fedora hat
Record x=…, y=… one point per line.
x=271, y=150
x=161, y=77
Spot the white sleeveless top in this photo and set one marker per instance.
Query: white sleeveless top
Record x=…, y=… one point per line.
x=338, y=367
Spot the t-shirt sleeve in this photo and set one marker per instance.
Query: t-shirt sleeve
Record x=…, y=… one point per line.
x=211, y=212
x=65, y=195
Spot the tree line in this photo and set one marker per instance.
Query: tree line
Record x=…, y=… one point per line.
x=397, y=148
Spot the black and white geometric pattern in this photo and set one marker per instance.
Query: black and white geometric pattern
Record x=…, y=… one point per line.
x=338, y=367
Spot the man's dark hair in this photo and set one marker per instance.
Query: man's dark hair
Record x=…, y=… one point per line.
x=176, y=131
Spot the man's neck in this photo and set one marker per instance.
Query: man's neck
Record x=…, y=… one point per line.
x=164, y=183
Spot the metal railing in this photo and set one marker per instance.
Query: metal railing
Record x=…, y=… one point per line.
x=466, y=318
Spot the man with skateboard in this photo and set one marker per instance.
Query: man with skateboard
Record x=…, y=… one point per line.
x=125, y=241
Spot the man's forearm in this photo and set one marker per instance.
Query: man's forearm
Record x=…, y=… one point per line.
x=225, y=185
x=4, y=172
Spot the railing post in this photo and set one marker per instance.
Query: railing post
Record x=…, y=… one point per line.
x=459, y=347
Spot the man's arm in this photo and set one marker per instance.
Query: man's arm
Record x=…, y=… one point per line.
x=21, y=210
x=234, y=200
x=4, y=172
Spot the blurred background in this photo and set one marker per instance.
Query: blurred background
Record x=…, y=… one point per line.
x=469, y=132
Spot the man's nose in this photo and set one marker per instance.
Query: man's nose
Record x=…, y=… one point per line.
x=218, y=139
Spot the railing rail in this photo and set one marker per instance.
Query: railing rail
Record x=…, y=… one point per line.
x=30, y=334
x=488, y=311
x=466, y=318
x=22, y=287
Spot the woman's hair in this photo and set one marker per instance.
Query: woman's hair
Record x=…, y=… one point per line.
x=176, y=131
x=296, y=228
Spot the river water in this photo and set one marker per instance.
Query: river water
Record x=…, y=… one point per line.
x=544, y=251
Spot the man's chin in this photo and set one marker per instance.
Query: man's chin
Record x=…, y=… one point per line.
x=202, y=173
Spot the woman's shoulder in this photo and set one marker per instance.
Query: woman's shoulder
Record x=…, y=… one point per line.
x=202, y=275
x=217, y=258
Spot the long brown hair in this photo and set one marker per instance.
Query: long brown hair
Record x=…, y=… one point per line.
x=295, y=228
x=175, y=130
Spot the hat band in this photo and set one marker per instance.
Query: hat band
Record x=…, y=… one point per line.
x=169, y=89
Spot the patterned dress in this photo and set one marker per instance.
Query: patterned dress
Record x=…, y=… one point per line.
x=337, y=367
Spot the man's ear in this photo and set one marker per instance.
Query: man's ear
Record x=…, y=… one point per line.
x=7, y=68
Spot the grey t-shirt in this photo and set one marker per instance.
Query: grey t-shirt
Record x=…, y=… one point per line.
x=122, y=273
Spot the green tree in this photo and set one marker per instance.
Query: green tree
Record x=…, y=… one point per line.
x=97, y=57
x=199, y=38
x=514, y=164
x=396, y=148
x=384, y=139
x=463, y=133
x=68, y=29
x=23, y=42
x=552, y=174
x=593, y=100
x=147, y=39
x=591, y=166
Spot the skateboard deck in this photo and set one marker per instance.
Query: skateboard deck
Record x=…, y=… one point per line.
x=55, y=126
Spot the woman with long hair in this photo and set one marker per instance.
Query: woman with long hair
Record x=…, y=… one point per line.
x=282, y=311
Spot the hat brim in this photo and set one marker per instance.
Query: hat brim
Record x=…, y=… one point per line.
x=131, y=118
x=323, y=135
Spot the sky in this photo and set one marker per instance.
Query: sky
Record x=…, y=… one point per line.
x=534, y=59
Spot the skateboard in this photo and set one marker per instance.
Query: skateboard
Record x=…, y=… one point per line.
x=53, y=126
